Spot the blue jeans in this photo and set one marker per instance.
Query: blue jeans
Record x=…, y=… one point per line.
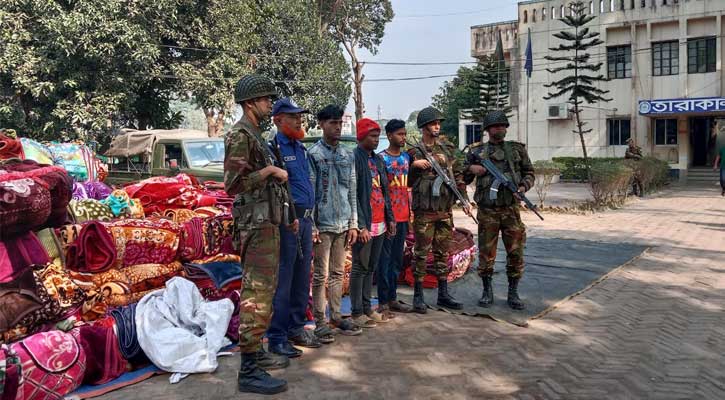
x=391, y=263
x=291, y=299
x=722, y=177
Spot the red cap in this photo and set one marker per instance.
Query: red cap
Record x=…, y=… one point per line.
x=365, y=126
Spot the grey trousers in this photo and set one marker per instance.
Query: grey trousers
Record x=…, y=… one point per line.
x=329, y=267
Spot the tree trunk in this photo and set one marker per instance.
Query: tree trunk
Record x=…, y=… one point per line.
x=214, y=122
x=580, y=130
x=577, y=112
x=358, y=97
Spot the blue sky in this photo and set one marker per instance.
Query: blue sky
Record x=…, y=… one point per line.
x=415, y=35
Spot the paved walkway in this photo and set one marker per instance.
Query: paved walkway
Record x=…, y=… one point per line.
x=655, y=329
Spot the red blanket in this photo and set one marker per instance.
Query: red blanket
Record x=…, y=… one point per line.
x=93, y=251
x=161, y=193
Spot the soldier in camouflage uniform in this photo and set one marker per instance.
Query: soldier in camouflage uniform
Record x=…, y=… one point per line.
x=433, y=223
x=502, y=213
x=260, y=195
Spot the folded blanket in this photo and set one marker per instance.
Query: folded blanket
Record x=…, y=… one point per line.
x=191, y=243
x=19, y=253
x=25, y=204
x=144, y=241
x=211, y=294
x=178, y=215
x=93, y=251
x=120, y=287
x=55, y=179
x=97, y=190
x=118, y=202
x=49, y=312
x=18, y=298
x=53, y=365
x=127, y=339
x=60, y=287
x=79, y=191
x=90, y=210
x=104, y=361
x=222, y=273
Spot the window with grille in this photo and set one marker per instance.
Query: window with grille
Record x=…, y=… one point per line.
x=666, y=58
x=618, y=131
x=473, y=133
x=619, y=62
x=701, y=55
x=665, y=131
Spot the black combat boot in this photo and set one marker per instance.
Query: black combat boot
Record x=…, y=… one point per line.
x=514, y=301
x=252, y=379
x=487, y=296
x=268, y=360
x=445, y=299
x=418, y=299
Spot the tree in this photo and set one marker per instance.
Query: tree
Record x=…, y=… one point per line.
x=306, y=64
x=356, y=24
x=217, y=42
x=74, y=69
x=461, y=93
x=207, y=47
x=578, y=84
x=492, y=77
x=81, y=69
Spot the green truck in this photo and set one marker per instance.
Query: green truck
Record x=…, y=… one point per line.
x=135, y=155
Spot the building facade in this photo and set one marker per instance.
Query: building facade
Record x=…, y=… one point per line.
x=663, y=59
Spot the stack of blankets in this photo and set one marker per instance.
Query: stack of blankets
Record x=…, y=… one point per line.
x=75, y=258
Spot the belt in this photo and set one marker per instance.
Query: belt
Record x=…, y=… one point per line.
x=303, y=212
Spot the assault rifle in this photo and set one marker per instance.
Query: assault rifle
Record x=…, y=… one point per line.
x=443, y=178
x=501, y=179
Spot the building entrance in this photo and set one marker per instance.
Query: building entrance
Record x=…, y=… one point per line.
x=702, y=139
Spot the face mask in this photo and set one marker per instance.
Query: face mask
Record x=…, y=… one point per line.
x=498, y=136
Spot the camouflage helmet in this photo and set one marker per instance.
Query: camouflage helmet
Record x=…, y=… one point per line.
x=496, y=117
x=253, y=86
x=428, y=115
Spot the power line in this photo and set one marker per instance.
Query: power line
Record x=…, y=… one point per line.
x=450, y=14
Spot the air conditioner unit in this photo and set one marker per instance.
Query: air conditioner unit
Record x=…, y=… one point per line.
x=558, y=111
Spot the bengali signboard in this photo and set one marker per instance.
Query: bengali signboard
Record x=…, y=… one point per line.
x=678, y=106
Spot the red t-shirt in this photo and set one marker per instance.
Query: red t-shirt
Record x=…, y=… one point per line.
x=397, y=169
x=377, y=202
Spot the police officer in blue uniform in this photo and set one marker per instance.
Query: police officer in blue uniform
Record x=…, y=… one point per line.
x=293, y=287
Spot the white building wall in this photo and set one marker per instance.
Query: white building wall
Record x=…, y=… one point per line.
x=638, y=27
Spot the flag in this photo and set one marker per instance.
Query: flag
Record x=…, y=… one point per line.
x=529, y=65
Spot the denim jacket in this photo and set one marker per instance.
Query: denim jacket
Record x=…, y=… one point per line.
x=365, y=188
x=332, y=173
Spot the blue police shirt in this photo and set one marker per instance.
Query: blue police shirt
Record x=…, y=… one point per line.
x=298, y=168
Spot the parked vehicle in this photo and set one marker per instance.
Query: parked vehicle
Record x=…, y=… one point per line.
x=136, y=155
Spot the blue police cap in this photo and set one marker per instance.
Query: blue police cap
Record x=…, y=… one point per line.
x=287, y=106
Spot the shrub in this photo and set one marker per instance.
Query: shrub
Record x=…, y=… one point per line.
x=611, y=181
x=574, y=169
x=650, y=173
x=545, y=172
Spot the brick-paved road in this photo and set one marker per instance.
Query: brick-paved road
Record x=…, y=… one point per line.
x=654, y=329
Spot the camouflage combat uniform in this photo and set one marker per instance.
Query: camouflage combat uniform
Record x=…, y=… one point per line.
x=433, y=221
x=258, y=209
x=502, y=214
